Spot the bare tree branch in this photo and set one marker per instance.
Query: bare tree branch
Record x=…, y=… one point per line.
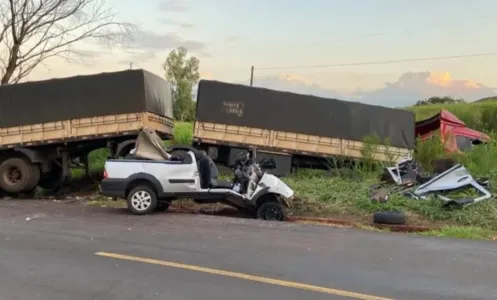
x=35, y=30
x=4, y=20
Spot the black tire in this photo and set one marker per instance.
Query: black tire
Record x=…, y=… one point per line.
x=15, y=175
x=143, y=206
x=271, y=211
x=180, y=155
x=34, y=178
x=52, y=180
x=390, y=217
x=125, y=152
x=213, y=152
x=162, y=206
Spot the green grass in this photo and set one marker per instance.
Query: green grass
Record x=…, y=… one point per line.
x=462, y=232
x=101, y=202
x=322, y=195
x=183, y=133
x=347, y=196
x=344, y=195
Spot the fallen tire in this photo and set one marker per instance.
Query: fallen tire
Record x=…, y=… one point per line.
x=390, y=217
x=15, y=175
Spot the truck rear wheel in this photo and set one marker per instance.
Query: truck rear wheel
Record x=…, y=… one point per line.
x=142, y=200
x=15, y=175
x=34, y=178
x=52, y=180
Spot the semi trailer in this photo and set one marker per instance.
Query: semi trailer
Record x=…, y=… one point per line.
x=295, y=130
x=46, y=125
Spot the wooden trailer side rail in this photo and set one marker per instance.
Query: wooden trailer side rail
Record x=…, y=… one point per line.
x=291, y=142
x=83, y=129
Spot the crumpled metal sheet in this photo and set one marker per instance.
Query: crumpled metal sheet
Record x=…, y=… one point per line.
x=150, y=146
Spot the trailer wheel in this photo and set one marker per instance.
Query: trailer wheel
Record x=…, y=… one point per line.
x=15, y=175
x=213, y=152
x=180, y=155
x=52, y=180
x=34, y=178
x=125, y=151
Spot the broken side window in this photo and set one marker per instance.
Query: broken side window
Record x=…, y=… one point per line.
x=464, y=143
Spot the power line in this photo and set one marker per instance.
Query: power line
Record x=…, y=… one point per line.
x=384, y=62
x=378, y=34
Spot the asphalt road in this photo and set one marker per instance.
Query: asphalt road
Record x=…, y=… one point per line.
x=61, y=251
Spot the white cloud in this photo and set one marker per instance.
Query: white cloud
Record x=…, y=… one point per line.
x=294, y=83
x=153, y=41
x=409, y=88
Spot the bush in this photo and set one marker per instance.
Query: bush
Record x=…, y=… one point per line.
x=183, y=133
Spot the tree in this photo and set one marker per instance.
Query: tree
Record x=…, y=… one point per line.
x=35, y=30
x=182, y=72
x=439, y=100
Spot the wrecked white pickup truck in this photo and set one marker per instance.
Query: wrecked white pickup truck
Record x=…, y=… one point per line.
x=151, y=177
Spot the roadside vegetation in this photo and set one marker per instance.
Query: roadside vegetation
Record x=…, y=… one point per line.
x=343, y=193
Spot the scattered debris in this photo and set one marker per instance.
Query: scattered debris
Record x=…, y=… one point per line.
x=408, y=178
x=406, y=172
x=456, y=178
x=35, y=216
x=379, y=194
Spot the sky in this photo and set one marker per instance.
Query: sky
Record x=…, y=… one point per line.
x=286, y=39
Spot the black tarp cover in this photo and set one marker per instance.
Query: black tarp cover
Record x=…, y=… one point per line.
x=84, y=96
x=241, y=105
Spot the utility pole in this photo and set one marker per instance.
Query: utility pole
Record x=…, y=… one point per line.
x=130, y=65
x=252, y=76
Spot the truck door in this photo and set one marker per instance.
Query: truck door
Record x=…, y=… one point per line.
x=179, y=177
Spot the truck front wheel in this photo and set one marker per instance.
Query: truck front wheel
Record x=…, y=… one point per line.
x=271, y=211
x=15, y=175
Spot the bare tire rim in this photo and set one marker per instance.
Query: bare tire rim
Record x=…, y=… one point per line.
x=141, y=200
x=12, y=176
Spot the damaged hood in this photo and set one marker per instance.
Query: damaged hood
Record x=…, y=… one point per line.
x=150, y=146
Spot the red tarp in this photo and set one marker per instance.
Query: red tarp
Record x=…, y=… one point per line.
x=449, y=126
